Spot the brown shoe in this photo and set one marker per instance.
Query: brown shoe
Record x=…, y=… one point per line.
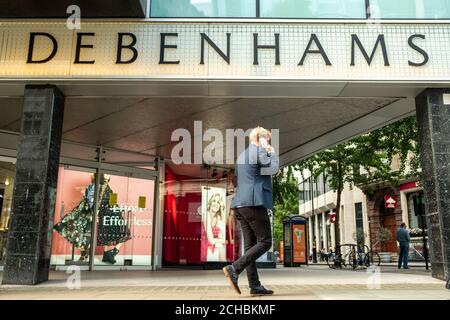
x=232, y=278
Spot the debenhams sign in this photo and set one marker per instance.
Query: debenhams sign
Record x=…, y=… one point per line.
x=416, y=52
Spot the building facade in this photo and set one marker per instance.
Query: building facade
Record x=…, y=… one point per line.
x=362, y=215
x=91, y=93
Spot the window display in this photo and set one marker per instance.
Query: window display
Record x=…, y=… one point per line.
x=7, y=173
x=123, y=224
x=125, y=216
x=199, y=226
x=73, y=216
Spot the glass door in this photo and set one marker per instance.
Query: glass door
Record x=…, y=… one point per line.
x=124, y=222
x=74, y=209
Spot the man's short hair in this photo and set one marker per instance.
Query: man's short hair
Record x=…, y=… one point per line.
x=403, y=225
x=259, y=132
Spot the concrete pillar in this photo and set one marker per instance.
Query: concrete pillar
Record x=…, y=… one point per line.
x=310, y=234
x=318, y=245
x=333, y=236
x=324, y=230
x=433, y=116
x=33, y=204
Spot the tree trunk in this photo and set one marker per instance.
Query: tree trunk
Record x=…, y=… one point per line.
x=338, y=206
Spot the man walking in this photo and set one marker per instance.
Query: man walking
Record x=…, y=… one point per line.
x=403, y=239
x=254, y=169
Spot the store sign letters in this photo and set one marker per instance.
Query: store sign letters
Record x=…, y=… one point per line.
x=291, y=51
x=314, y=41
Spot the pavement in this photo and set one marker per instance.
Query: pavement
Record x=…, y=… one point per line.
x=315, y=282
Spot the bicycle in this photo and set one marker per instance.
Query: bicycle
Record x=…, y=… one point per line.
x=338, y=259
x=352, y=258
x=359, y=257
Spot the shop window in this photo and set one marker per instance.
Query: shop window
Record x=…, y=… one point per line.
x=123, y=226
x=7, y=174
x=73, y=216
x=348, y=9
x=199, y=227
x=203, y=8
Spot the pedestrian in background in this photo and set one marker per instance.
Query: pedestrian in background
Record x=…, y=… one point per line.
x=403, y=240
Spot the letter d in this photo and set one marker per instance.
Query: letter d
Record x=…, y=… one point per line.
x=33, y=35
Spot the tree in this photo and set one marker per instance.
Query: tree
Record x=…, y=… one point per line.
x=367, y=159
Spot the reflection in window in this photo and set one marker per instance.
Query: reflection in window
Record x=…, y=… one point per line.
x=313, y=9
x=203, y=8
x=410, y=9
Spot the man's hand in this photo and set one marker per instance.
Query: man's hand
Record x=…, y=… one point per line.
x=270, y=149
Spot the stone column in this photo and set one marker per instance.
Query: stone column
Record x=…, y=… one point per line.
x=316, y=225
x=33, y=204
x=310, y=234
x=324, y=231
x=333, y=236
x=433, y=115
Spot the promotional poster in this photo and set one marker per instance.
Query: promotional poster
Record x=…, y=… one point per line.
x=214, y=224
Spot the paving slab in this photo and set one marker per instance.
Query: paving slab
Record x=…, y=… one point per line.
x=315, y=282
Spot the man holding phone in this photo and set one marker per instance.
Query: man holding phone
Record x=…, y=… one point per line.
x=254, y=196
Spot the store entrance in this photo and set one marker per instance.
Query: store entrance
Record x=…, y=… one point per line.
x=109, y=210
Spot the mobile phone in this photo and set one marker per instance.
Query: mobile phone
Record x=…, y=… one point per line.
x=264, y=143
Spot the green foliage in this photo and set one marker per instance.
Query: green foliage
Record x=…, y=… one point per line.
x=384, y=235
x=373, y=153
x=359, y=236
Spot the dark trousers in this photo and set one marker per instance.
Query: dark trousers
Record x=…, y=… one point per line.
x=256, y=230
x=403, y=256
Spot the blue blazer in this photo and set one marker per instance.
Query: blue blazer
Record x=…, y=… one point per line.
x=254, y=170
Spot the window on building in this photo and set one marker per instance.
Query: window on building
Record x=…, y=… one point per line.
x=314, y=187
x=320, y=185
x=408, y=9
x=415, y=220
x=302, y=193
x=327, y=184
x=203, y=8
x=359, y=223
x=307, y=189
x=348, y=9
